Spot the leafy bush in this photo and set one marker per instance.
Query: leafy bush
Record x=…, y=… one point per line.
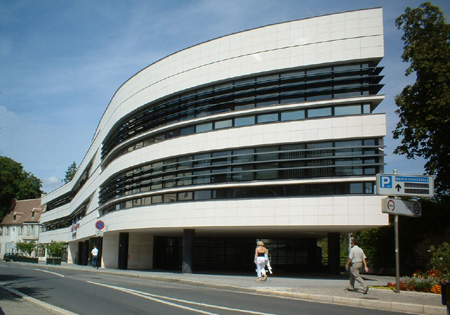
x=56, y=249
x=26, y=247
x=440, y=258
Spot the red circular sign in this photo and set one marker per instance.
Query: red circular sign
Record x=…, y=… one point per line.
x=100, y=224
x=391, y=205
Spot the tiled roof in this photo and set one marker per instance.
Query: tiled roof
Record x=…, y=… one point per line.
x=24, y=211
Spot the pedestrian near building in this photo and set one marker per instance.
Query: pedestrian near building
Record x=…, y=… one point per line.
x=260, y=261
x=356, y=260
x=94, y=253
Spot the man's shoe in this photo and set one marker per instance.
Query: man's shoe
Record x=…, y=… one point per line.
x=366, y=290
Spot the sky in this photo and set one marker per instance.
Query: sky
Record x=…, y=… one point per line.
x=62, y=61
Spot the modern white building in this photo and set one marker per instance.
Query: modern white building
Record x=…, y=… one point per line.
x=269, y=133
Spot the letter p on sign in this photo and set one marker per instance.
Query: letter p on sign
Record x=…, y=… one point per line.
x=386, y=181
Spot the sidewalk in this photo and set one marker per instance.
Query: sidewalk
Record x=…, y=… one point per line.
x=318, y=288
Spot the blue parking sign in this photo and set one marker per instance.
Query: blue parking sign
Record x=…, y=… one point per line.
x=386, y=181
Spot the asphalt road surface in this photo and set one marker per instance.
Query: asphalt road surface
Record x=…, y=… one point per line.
x=90, y=293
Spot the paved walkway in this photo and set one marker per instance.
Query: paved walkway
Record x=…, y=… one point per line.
x=320, y=288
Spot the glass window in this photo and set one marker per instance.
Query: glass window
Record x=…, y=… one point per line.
x=266, y=153
x=157, y=184
x=185, y=162
x=245, y=106
x=223, y=124
x=204, y=127
x=203, y=159
x=368, y=188
x=319, y=112
x=347, y=110
x=157, y=199
x=187, y=131
x=290, y=99
x=321, y=71
x=263, y=103
x=243, y=173
x=293, y=115
x=369, y=142
x=185, y=195
x=184, y=179
x=243, y=155
x=245, y=82
x=267, y=174
x=157, y=167
x=202, y=177
x=345, y=93
x=366, y=109
x=292, y=75
x=267, y=78
x=266, y=118
x=172, y=197
x=370, y=171
x=346, y=68
x=202, y=195
x=160, y=138
x=220, y=158
x=244, y=121
x=220, y=175
x=356, y=188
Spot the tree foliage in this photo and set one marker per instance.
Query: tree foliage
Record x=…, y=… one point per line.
x=424, y=107
x=15, y=182
x=440, y=257
x=26, y=247
x=56, y=249
x=70, y=173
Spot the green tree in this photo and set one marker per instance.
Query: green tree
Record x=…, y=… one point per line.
x=56, y=249
x=16, y=183
x=70, y=173
x=26, y=247
x=424, y=107
x=440, y=257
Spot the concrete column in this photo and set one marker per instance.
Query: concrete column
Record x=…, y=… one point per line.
x=333, y=253
x=188, y=251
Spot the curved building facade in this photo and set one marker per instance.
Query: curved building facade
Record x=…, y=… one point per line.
x=268, y=133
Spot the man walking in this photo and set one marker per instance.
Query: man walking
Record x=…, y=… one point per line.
x=356, y=259
x=94, y=253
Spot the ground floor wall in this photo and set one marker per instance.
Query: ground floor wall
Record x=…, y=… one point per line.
x=145, y=251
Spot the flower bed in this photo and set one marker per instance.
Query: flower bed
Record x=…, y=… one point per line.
x=428, y=281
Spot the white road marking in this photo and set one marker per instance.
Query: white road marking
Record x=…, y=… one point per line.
x=161, y=298
x=53, y=273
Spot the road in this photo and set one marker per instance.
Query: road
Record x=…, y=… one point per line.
x=90, y=293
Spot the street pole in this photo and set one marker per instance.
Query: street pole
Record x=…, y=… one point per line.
x=397, y=256
x=397, y=253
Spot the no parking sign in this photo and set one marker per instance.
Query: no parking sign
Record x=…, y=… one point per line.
x=100, y=224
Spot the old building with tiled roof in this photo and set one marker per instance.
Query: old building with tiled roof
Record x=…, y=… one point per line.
x=20, y=224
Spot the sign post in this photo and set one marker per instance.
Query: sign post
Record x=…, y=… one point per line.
x=100, y=225
x=402, y=185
